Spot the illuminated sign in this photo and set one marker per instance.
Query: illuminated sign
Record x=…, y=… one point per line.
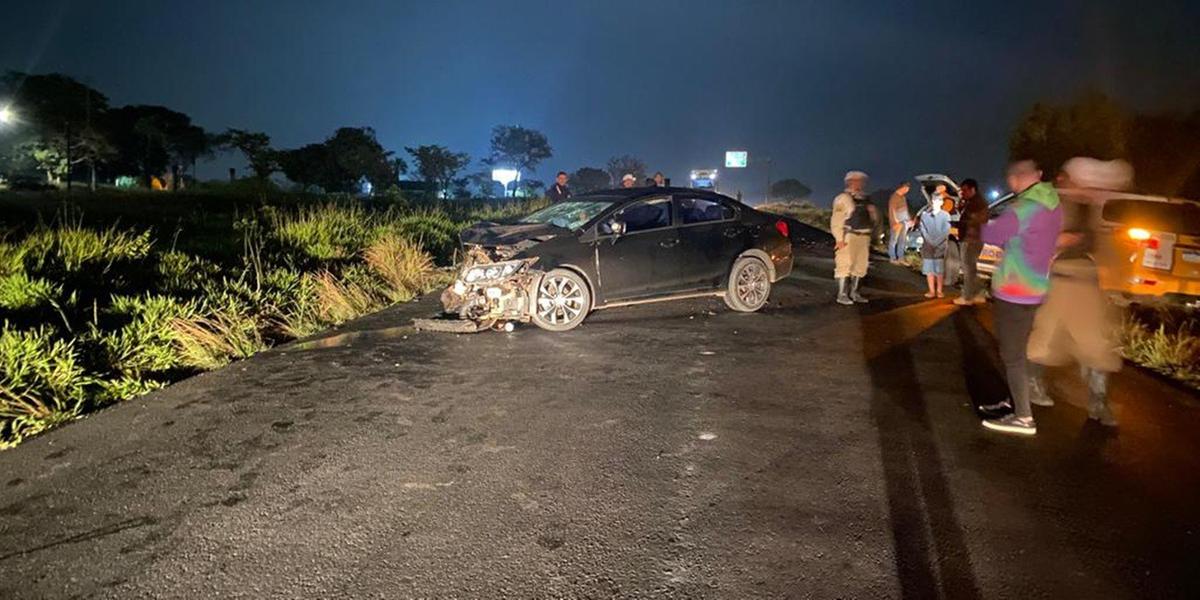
x=737, y=159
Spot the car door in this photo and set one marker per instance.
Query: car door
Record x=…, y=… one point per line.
x=711, y=236
x=643, y=261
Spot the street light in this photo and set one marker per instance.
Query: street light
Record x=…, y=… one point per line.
x=7, y=115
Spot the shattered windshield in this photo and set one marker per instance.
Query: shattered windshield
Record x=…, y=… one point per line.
x=571, y=214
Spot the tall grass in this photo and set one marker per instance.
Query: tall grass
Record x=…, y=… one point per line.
x=404, y=268
x=42, y=383
x=803, y=210
x=1163, y=341
x=94, y=313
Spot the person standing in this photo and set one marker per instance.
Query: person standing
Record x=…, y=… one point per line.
x=559, y=192
x=934, y=224
x=1028, y=232
x=660, y=180
x=852, y=222
x=628, y=181
x=899, y=220
x=974, y=215
x=1076, y=323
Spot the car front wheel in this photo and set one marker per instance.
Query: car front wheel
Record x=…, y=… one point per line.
x=749, y=285
x=562, y=301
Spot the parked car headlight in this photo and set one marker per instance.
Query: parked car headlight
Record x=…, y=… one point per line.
x=493, y=271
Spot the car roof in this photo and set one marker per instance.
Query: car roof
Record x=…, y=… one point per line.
x=637, y=193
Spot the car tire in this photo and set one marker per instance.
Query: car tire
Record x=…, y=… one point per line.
x=562, y=301
x=749, y=285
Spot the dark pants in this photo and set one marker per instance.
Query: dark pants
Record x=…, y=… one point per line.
x=970, y=265
x=1013, y=323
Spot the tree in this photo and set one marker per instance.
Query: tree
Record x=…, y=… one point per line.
x=61, y=116
x=310, y=165
x=438, y=166
x=1093, y=126
x=146, y=139
x=484, y=185
x=590, y=179
x=1162, y=148
x=530, y=188
x=789, y=190
x=619, y=166
x=360, y=156
x=518, y=148
x=188, y=145
x=1165, y=152
x=256, y=147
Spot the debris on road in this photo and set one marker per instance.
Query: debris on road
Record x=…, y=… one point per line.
x=491, y=291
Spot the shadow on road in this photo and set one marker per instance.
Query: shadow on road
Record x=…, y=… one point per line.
x=985, y=383
x=931, y=555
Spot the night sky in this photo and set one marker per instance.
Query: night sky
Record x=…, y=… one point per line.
x=818, y=87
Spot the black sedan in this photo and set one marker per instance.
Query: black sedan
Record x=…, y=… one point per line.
x=616, y=248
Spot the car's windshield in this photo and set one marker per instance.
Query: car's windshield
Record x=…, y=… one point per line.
x=571, y=214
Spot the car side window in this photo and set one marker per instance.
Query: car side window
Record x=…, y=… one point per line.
x=704, y=210
x=649, y=214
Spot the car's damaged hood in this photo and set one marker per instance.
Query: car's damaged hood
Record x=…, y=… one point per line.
x=520, y=234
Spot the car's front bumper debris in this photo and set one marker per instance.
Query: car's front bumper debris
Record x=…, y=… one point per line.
x=493, y=299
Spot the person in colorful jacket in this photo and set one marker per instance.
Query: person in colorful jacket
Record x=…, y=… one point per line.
x=1028, y=232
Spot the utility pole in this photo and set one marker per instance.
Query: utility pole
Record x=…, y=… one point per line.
x=768, y=194
x=68, y=135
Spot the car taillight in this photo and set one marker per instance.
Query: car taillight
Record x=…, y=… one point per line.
x=782, y=228
x=1138, y=234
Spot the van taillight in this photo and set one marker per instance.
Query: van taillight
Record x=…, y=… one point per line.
x=782, y=228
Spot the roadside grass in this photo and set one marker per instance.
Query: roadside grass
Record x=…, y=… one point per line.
x=1165, y=340
x=107, y=296
x=801, y=210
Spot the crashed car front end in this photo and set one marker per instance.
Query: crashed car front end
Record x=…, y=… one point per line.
x=492, y=289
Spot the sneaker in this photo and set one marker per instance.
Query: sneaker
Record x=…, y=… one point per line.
x=1100, y=411
x=999, y=408
x=1037, y=393
x=1012, y=424
x=980, y=299
x=963, y=301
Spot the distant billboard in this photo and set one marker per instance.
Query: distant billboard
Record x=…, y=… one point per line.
x=736, y=159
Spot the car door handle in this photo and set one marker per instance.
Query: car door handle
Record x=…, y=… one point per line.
x=669, y=243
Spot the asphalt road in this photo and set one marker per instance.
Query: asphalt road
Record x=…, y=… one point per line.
x=675, y=450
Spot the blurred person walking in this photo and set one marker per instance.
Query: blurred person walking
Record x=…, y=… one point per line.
x=934, y=225
x=899, y=220
x=1028, y=232
x=974, y=216
x=559, y=192
x=852, y=222
x=1075, y=323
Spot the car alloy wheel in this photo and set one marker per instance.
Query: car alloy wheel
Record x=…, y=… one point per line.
x=749, y=285
x=562, y=301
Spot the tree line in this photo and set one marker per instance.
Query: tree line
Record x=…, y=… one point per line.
x=66, y=131
x=1164, y=148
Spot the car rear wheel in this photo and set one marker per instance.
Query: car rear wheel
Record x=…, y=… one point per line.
x=749, y=285
x=562, y=301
